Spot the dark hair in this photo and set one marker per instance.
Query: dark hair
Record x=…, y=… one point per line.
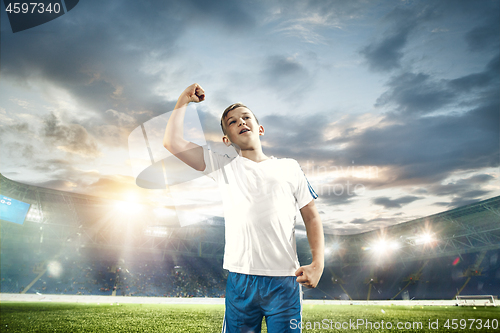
x=231, y=108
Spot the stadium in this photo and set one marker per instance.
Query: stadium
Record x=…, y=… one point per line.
x=62, y=251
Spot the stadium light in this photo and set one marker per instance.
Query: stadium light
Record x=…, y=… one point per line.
x=380, y=246
x=34, y=215
x=383, y=246
x=127, y=207
x=426, y=238
x=54, y=268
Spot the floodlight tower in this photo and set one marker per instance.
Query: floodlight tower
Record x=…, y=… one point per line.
x=412, y=278
x=473, y=270
x=370, y=281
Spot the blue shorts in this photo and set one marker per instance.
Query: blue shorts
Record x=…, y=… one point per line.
x=249, y=298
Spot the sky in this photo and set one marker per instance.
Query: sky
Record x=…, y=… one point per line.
x=392, y=108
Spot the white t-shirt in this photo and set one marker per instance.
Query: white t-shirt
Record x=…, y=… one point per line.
x=260, y=205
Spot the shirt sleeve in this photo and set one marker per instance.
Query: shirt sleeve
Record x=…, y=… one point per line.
x=214, y=164
x=304, y=192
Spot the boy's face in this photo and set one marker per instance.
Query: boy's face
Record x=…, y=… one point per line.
x=242, y=128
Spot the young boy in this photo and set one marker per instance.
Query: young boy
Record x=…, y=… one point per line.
x=260, y=196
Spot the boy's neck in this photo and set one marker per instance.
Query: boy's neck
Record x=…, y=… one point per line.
x=256, y=155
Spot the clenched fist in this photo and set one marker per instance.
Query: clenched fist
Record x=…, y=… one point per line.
x=193, y=93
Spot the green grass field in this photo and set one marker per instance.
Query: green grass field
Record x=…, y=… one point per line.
x=78, y=317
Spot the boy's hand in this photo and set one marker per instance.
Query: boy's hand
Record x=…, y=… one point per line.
x=193, y=93
x=309, y=275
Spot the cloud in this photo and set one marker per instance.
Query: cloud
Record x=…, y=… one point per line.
x=304, y=27
x=307, y=20
x=71, y=138
x=107, y=67
x=461, y=134
x=114, y=186
x=478, y=179
x=385, y=54
x=16, y=128
x=412, y=147
x=299, y=137
x=338, y=193
x=64, y=177
x=359, y=221
x=358, y=225
x=464, y=199
x=286, y=76
x=461, y=186
x=123, y=118
x=98, y=58
x=236, y=16
x=210, y=124
x=17, y=139
x=484, y=37
x=296, y=132
x=427, y=150
x=463, y=191
x=478, y=80
x=52, y=165
x=416, y=93
x=395, y=203
x=15, y=150
x=282, y=69
x=57, y=184
x=409, y=21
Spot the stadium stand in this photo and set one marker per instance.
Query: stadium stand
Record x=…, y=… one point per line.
x=439, y=278
x=76, y=244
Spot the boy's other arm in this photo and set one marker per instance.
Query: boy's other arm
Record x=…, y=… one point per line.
x=309, y=275
x=188, y=152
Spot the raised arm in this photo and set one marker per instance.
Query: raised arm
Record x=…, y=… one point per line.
x=309, y=275
x=188, y=152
